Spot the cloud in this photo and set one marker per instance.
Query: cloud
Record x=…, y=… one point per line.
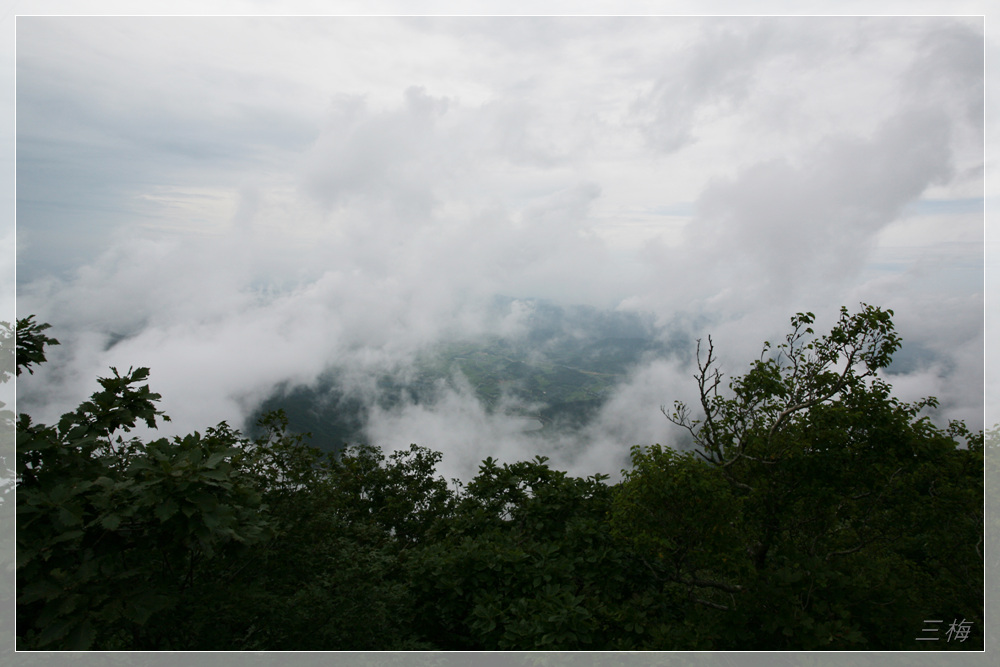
x=813, y=223
x=387, y=158
x=715, y=71
x=245, y=217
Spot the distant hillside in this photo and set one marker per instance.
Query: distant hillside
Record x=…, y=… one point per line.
x=565, y=364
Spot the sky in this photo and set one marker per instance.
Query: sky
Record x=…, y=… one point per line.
x=250, y=200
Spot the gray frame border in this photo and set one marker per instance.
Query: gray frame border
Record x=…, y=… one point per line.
x=10, y=9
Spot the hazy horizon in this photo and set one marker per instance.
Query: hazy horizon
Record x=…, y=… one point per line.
x=241, y=204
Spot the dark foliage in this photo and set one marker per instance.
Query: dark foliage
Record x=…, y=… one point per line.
x=816, y=511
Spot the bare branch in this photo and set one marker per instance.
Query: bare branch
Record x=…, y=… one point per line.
x=852, y=550
x=703, y=370
x=728, y=588
x=693, y=581
x=713, y=605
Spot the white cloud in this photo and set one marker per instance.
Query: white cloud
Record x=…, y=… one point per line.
x=270, y=198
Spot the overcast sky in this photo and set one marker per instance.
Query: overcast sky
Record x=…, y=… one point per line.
x=253, y=199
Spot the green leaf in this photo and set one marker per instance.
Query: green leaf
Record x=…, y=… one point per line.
x=166, y=510
x=82, y=636
x=67, y=536
x=142, y=606
x=38, y=590
x=221, y=473
x=69, y=518
x=218, y=457
x=55, y=631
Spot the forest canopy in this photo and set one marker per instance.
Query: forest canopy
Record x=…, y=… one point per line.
x=814, y=511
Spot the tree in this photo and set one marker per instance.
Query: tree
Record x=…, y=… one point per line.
x=527, y=562
x=842, y=517
x=684, y=521
x=7, y=419
x=208, y=542
x=31, y=344
x=113, y=531
x=332, y=577
x=816, y=511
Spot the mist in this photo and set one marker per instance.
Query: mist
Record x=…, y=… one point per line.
x=251, y=205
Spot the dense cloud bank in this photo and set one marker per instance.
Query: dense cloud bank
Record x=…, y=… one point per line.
x=196, y=198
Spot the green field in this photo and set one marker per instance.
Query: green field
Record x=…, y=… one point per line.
x=560, y=379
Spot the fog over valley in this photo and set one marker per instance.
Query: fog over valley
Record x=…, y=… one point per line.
x=490, y=236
